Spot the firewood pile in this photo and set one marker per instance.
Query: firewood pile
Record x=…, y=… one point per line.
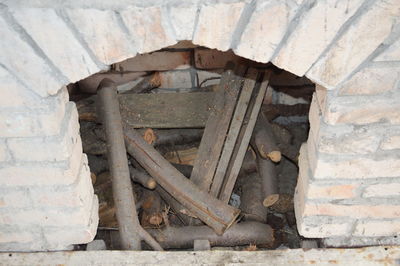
x=193, y=170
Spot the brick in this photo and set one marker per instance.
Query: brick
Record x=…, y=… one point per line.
x=4, y=152
x=103, y=34
x=148, y=28
x=314, y=32
x=48, y=30
x=360, y=40
x=391, y=143
x=204, y=75
x=354, y=211
x=29, y=67
x=322, y=230
x=15, y=198
x=157, y=61
x=19, y=237
x=183, y=17
x=382, y=190
x=27, y=123
x=57, y=148
x=314, y=189
x=175, y=80
x=216, y=24
x=62, y=236
x=74, y=195
x=377, y=228
x=392, y=53
x=50, y=217
x=371, y=80
x=351, y=167
x=363, y=110
x=265, y=30
x=42, y=174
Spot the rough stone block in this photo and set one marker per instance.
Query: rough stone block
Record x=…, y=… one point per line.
x=183, y=17
x=157, y=61
x=377, y=228
x=373, y=79
x=265, y=29
x=18, y=237
x=382, y=190
x=313, y=33
x=355, y=45
x=57, y=41
x=391, y=143
x=148, y=28
x=103, y=34
x=4, y=152
x=27, y=65
x=57, y=148
x=353, y=241
x=216, y=24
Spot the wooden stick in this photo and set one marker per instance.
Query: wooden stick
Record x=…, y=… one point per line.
x=264, y=139
x=211, y=211
x=267, y=171
x=130, y=229
x=216, y=128
x=244, y=233
x=251, y=199
x=142, y=178
x=243, y=139
x=234, y=129
x=176, y=136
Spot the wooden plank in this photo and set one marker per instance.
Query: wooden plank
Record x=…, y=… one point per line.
x=379, y=255
x=243, y=140
x=156, y=110
x=166, y=110
x=216, y=128
x=234, y=129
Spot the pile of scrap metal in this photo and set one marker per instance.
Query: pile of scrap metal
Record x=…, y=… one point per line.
x=187, y=151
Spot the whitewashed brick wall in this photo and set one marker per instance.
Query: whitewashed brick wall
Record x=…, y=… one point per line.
x=349, y=169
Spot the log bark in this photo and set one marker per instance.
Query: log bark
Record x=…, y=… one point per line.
x=244, y=233
x=211, y=211
x=151, y=209
x=267, y=171
x=176, y=136
x=264, y=139
x=130, y=230
x=251, y=199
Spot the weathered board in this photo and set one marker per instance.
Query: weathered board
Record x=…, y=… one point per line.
x=166, y=110
x=216, y=128
x=157, y=110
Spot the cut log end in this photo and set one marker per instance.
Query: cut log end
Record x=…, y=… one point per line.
x=149, y=136
x=275, y=156
x=156, y=219
x=151, y=184
x=271, y=200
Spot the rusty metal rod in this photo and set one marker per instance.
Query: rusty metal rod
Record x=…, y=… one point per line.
x=210, y=210
x=130, y=230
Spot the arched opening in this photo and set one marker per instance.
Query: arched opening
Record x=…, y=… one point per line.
x=175, y=126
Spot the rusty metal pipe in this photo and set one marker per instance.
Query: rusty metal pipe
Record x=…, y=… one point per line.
x=108, y=107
